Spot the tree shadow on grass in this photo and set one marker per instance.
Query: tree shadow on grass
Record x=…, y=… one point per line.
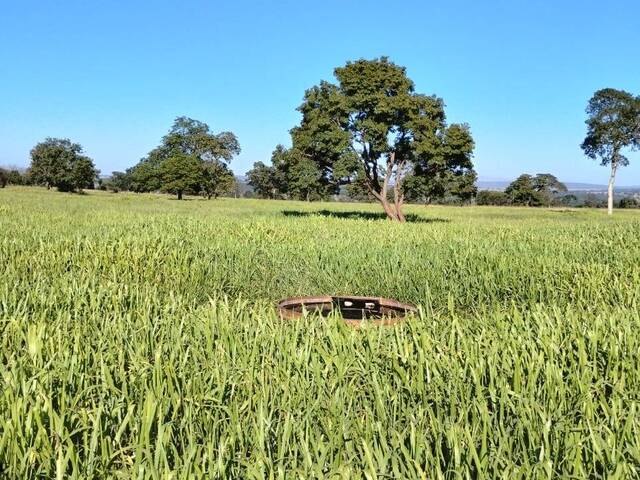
x=359, y=215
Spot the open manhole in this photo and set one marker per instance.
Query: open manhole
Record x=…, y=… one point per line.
x=354, y=310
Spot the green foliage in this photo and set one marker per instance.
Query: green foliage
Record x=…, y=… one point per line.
x=119, y=182
x=11, y=177
x=374, y=123
x=629, y=202
x=60, y=163
x=217, y=179
x=593, y=201
x=188, y=138
x=613, y=125
x=300, y=176
x=180, y=174
x=549, y=187
x=292, y=175
x=522, y=191
x=568, y=200
x=263, y=180
x=490, y=197
x=139, y=340
x=531, y=191
x=358, y=189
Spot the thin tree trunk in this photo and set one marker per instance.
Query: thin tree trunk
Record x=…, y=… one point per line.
x=612, y=178
x=180, y=195
x=398, y=196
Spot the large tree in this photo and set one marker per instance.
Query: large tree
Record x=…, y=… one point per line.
x=548, y=186
x=60, y=163
x=613, y=124
x=188, y=138
x=373, y=123
x=4, y=178
x=522, y=191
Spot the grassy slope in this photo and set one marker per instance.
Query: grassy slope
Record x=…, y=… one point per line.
x=139, y=336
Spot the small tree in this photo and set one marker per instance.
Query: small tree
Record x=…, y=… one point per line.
x=445, y=183
x=4, y=178
x=60, y=163
x=373, y=123
x=181, y=173
x=612, y=126
x=263, y=180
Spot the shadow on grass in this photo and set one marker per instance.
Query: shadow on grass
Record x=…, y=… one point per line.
x=359, y=215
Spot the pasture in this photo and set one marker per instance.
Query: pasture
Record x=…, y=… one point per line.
x=139, y=340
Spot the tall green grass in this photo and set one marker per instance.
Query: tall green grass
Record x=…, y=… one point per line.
x=139, y=340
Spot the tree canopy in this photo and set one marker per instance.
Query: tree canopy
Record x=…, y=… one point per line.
x=534, y=191
x=371, y=126
x=180, y=173
x=60, y=163
x=190, y=159
x=613, y=124
x=291, y=175
x=548, y=186
x=263, y=180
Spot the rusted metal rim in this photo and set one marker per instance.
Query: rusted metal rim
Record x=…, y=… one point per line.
x=380, y=311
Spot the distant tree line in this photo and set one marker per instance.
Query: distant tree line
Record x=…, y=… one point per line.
x=368, y=136
x=189, y=160
x=545, y=189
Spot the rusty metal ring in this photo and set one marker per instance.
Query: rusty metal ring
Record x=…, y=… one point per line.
x=353, y=309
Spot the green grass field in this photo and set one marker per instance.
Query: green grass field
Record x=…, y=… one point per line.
x=139, y=340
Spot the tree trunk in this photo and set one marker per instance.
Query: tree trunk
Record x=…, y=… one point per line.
x=388, y=209
x=393, y=210
x=180, y=195
x=612, y=178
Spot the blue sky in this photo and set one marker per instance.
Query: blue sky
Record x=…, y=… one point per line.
x=113, y=75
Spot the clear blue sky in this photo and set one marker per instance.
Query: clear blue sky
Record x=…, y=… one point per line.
x=113, y=75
